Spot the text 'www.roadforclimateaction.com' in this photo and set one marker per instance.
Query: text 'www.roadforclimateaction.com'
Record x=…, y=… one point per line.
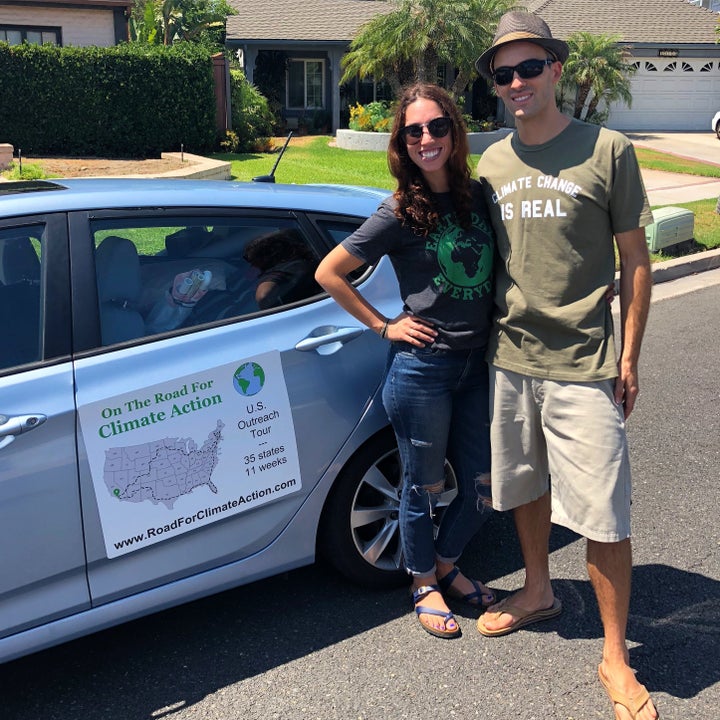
x=201, y=515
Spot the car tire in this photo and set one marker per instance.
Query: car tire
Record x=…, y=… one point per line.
x=359, y=532
x=717, y=131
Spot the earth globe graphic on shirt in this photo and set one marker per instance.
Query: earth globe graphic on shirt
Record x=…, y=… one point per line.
x=249, y=379
x=463, y=264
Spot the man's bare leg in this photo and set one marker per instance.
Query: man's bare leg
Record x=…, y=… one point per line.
x=533, y=528
x=610, y=569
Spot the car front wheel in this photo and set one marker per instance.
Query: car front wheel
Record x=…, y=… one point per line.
x=360, y=530
x=717, y=130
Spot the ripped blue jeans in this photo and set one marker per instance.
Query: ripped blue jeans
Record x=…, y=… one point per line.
x=437, y=402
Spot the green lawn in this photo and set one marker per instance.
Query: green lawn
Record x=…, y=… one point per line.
x=654, y=160
x=313, y=160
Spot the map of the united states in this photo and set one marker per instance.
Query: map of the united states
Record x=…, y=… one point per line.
x=162, y=470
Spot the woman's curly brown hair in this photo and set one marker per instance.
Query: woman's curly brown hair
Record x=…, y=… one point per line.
x=413, y=194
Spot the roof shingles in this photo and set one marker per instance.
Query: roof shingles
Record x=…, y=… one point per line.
x=302, y=20
x=640, y=21
x=636, y=21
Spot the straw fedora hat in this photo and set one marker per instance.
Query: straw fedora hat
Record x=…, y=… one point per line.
x=521, y=26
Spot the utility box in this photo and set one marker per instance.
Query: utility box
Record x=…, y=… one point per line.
x=672, y=225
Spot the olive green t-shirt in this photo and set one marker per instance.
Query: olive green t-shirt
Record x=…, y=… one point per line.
x=555, y=209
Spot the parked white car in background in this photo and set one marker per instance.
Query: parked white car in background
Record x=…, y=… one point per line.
x=715, y=127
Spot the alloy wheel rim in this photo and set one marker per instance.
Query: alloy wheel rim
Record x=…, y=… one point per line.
x=374, y=515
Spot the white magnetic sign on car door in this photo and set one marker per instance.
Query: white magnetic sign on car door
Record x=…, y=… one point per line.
x=173, y=457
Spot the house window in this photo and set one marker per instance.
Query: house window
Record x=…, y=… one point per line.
x=18, y=34
x=649, y=67
x=306, y=84
x=707, y=67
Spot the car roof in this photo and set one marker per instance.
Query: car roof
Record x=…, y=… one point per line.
x=38, y=197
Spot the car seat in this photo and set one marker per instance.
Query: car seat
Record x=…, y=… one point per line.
x=19, y=262
x=117, y=267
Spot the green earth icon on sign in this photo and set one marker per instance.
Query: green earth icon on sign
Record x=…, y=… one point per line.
x=249, y=379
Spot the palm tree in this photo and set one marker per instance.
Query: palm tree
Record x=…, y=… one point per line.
x=597, y=70
x=408, y=43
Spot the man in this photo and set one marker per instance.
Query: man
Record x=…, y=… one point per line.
x=559, y=190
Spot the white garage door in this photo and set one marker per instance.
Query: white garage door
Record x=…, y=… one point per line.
x=671, y=94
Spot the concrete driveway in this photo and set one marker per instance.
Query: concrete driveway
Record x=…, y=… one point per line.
x=703, y=146
x=671, y=188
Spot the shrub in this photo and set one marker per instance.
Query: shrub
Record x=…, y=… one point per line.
x=122, y=101
x=231, y=143
x=373, y=117
x=321, y=121
x=269, y=78
x=252, y=119
x=29, y=172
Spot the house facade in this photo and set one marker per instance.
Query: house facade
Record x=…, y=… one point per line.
x=312, y=36
x=672, y=44
x=65, y=22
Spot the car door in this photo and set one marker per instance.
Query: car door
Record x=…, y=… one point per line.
x=42, y=563
x=200, y=442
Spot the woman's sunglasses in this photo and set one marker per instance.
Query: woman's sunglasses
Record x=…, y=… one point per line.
x=526, y=69
x=438, y=128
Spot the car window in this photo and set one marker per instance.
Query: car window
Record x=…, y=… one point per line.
x=20, y=294
x=154, y=278
x=336, y=230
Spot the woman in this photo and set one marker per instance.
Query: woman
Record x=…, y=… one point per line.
x=436, y=233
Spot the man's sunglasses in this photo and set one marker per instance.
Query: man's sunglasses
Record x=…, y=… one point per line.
x=526, y=69
x=438, y=128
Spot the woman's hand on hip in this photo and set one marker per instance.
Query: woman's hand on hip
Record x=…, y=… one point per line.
x=411, y=329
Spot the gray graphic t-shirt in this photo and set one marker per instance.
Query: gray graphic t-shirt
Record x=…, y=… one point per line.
x=445, y=277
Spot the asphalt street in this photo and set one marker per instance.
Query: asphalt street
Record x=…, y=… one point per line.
x=308, y=645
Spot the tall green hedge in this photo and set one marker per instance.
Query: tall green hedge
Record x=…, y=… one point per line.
x=124, y=101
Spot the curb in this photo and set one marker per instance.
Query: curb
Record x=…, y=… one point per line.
x=197, y=168
x=681, y=267
x=200, y=168
x=689, y=265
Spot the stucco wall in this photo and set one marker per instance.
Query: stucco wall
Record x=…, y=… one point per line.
x=78, y=27
x=357, y=140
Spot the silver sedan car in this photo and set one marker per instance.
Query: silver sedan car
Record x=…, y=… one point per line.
x=182, y=409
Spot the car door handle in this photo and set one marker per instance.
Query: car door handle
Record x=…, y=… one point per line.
x=328, y=339
x=10, y=427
